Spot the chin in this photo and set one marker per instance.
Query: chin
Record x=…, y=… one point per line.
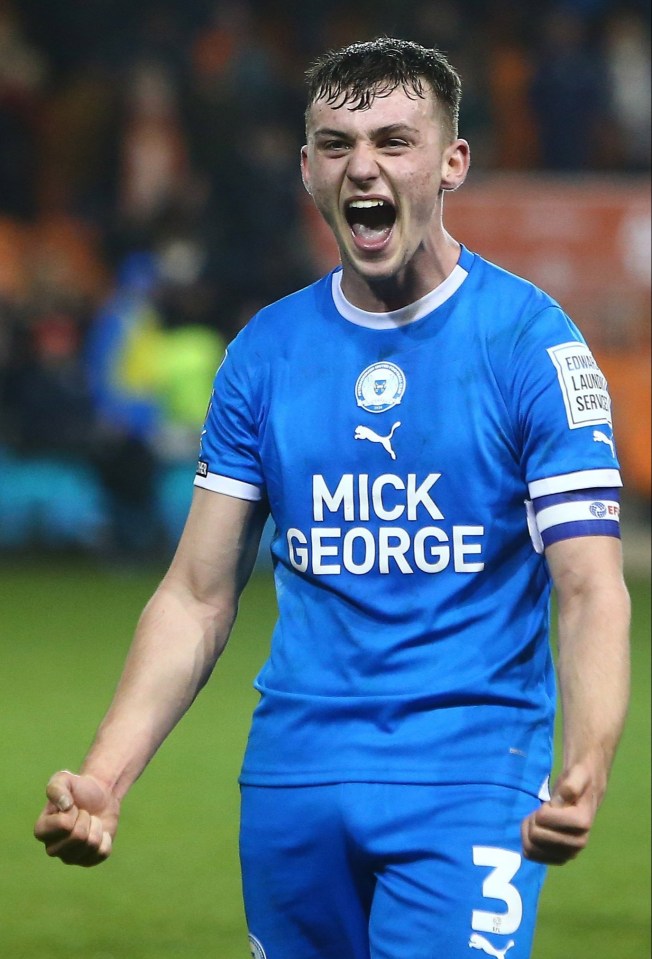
x=381, y=270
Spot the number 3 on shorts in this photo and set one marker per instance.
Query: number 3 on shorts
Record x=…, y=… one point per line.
x=498, y=885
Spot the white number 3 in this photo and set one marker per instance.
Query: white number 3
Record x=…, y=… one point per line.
x=498, y=885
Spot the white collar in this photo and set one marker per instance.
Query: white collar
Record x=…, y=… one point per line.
x=397, y=318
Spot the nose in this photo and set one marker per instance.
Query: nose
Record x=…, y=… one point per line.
x=362, y=166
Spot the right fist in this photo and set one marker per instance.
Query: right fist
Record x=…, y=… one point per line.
x=79, y=820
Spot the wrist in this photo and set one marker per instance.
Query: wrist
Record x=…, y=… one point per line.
x=108, y=780
x=585, y=776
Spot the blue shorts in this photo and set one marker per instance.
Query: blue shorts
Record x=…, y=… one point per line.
x=387, y=871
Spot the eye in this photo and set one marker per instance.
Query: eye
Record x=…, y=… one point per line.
x=335, y=146
x=395, y=144
x=332, y=145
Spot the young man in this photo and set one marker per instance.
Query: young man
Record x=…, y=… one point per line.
x=433, y=440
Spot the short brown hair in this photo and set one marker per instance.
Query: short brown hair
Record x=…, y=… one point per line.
x=356, y=74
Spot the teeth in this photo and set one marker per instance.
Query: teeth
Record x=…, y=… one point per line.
x=366, y=204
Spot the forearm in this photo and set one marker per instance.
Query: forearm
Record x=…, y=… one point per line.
x=593, y=674
x=177, y=642
x=594, y=684
x=180, y=635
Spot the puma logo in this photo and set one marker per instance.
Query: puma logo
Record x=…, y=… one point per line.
x=364, y=433
x=479, y=942
x=600, y=437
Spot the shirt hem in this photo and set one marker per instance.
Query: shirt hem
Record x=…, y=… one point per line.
x=401, y=777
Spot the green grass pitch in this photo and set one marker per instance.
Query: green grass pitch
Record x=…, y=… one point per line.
x=171, y=889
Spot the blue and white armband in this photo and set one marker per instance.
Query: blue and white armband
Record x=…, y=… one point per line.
x=586, y=512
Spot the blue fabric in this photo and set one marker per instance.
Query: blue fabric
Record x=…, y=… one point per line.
x=412, y=639
x=385, y=871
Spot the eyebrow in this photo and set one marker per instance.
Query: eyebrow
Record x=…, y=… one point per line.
x=389, y=129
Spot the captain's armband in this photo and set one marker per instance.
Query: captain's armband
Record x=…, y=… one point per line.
x=586, y=512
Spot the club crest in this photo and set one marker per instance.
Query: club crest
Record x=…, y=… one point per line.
x=380, y=387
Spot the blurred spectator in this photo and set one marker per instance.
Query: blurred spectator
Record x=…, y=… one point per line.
x=262, y=252
x=510, y=71
x=14, y=270
x=150, y=201
x=119, y=366
x=153, y=152
x=23, y=74
x=65, y=260
x=47, y=490
x=245, y=124
x=150, y=363
x=51, y=275
x=188, y=352
x=569, y=94
x=118, y=350
x=47, y=402
x=627, y=51
x=77, y=147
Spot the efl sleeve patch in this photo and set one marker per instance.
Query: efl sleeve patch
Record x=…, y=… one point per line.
x=589, y=512
x=583, y=386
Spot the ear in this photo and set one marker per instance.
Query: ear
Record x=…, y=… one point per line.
x=305, y=174
x=455, y=165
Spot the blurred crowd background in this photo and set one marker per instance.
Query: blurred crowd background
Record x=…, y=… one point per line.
x=150, y=202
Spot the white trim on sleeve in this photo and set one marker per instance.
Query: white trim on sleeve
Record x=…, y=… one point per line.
x=229, y=486
x=569, y=482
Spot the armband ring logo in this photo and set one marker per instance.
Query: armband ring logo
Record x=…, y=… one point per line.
x=598, y=510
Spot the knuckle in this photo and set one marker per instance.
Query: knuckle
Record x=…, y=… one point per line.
x=64, y=822
x=93, y=842
x=80, y=833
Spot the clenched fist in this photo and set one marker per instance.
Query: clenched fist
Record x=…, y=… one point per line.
x=79, y=820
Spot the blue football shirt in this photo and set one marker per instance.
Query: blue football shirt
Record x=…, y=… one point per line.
x=399, y=454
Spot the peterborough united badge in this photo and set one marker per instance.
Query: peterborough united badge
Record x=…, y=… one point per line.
x=380, y=387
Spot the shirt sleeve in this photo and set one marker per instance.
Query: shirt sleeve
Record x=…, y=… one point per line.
x=229, y=460
x=561, y=405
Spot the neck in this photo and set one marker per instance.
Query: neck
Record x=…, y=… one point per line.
x=424, y=273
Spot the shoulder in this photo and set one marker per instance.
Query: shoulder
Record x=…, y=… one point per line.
x=288, y=314
x=512, y=312
x=278, y=331
x=507, y=292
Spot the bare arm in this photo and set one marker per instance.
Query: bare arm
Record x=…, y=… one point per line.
x=180, y=635
x=594, y=612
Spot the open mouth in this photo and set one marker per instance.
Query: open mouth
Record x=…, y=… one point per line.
x=371, y=221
